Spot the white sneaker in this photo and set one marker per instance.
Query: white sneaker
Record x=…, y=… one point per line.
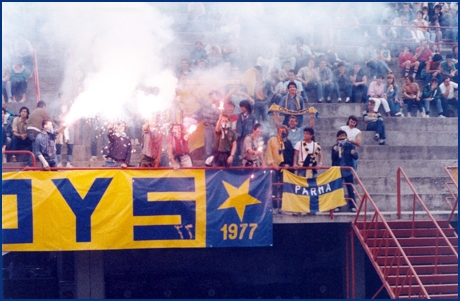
x=69, y=165
x=320, y=100
x=398, y=114
x=427, y=115
x=442, y=116
x=59, y=164
x=347, y=99
x=328, y=99
x=339, y=99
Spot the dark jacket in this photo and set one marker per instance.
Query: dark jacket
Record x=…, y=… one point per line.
x=120, y=147
x=346, y=159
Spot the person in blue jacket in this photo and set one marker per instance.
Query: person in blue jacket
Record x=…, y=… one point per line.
x=343, y=153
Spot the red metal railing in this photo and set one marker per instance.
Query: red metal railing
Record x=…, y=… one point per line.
x=36, y=79
x=440, y=236
x=19, y=152
x=454, y=193
x=367, y=228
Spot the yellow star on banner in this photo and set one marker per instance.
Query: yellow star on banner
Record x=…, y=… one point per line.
x=238, y=198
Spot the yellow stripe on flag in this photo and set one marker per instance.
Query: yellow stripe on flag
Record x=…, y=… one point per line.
x=325, y=192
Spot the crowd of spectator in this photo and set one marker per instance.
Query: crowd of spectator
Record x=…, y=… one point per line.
x=235, y=115
x=17, y=67
x=236, y=127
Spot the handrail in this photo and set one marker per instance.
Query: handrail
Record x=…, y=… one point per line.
x=369, y=228
x=20, y=152
x=455, y=183
x=400, y=172
x=36, y=79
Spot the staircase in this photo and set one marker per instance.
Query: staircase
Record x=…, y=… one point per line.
x=413, y=258
x=417, y=251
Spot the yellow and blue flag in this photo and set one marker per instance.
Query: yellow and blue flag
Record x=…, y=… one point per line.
x=135, y=209
x=319, y=194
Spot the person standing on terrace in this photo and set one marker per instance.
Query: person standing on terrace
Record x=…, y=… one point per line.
x=344, y=153
x=45, y=145
x=119, y=146
x=177, y=146
x=253, y=148
x=151, y=145
x=279, y=154
x=308, y=154
x=225, y=142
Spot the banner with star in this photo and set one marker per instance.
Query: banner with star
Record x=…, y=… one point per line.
x=134, y=209
x=239, y=208
x=319, y=194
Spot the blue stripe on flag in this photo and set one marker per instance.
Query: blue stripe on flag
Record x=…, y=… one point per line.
x=314, y=198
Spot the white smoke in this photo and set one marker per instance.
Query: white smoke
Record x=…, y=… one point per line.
x=118, y=48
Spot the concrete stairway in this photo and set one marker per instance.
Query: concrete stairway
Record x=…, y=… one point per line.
x=421, y=146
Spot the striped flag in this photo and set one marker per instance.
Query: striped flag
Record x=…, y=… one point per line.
x=319, y=194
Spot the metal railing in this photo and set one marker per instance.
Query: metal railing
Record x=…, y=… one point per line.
x=20, y=152
x=440, y=235
x=367, y=226
x=454, y=193
x=36, y=79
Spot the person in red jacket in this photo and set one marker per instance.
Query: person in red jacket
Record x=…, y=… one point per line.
x=407, y=61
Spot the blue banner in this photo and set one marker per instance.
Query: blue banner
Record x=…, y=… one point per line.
x=239, y=204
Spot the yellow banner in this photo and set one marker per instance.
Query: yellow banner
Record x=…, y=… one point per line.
x=277, y=108
x=103, y=209
x=319, y=194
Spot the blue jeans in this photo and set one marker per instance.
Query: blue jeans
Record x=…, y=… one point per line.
x=426, y=105
x=359, y=88
x=327, y=88
x=348, y=88
x=318, y=87
x=378, y=127
x=445, y=105
x=395, y=107
x=351, y=192
x=411, y=102
x=260, y=110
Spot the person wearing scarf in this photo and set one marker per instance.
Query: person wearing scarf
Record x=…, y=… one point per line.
x=291, y=101
x=344, y=154
x=308, y=154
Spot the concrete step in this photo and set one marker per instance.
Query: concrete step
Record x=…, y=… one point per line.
x=390, y=152
x=387, y=201
x=412, y=168
x=422, y=185
x=415, y=124
x=396, y=138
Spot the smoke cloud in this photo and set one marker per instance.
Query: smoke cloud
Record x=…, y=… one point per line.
x=116, y=50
